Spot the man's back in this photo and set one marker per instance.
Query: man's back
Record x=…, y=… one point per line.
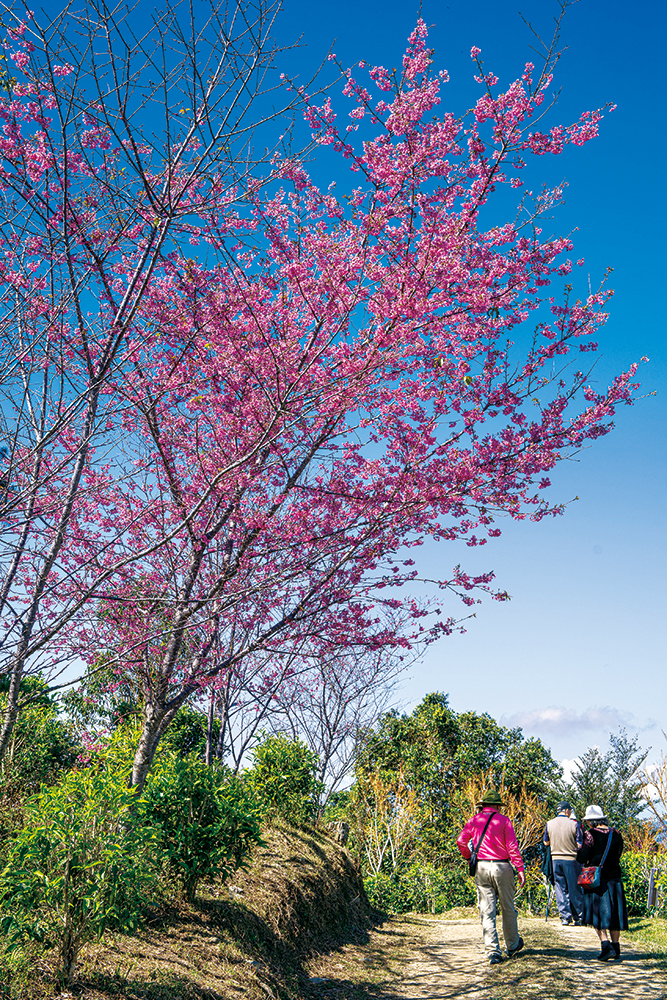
x=562, y=832
x=499, y=842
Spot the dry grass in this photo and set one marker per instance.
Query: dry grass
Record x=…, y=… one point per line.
x=249, y=939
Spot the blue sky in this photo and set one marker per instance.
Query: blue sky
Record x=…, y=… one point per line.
x=579, y=650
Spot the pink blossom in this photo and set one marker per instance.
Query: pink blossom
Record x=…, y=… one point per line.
x=20, y=58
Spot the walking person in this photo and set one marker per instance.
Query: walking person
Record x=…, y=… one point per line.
x=564, y=836
x=490, y=835
x=604, y=906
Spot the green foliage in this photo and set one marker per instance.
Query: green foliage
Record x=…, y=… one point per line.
x=187, y=732
x=422, y=887
x=284, y=779
x=487, y=747
x=434, y=747
x=422, y=746
x=41, y=748
x=338, y=806
x=611, y=780
x=78, y=866
x=104, y=699
x=206, y=823
x=636, y=867
x=437, y=751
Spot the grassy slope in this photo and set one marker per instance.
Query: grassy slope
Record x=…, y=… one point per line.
x=249, y=939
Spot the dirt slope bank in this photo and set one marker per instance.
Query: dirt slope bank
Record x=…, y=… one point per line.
x=301, y=895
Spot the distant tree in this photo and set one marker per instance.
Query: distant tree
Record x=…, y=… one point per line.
x=421, y=746
x=437, y=748
x=486, y=747
x=387, y=821
x=329, y=707
x=244, y=697
x=103, y=698
x=43, y=744
x=612, y=780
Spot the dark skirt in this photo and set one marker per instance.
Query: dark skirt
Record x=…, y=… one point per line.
x=605, y=907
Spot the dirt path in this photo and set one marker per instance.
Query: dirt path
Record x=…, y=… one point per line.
x=634, y=978
x=430, y=958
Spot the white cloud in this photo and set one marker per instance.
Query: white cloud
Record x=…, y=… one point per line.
x=569, y=767
x=554, y=721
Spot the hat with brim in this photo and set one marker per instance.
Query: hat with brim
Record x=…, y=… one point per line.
x=490, y=798
x=594, y=814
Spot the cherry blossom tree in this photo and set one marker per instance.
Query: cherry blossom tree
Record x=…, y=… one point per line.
x=319, y=383
x=341, y=383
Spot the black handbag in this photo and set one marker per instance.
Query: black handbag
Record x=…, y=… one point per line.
x=472, y=863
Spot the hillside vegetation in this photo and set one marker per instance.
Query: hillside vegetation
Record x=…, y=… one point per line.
x=300, y=896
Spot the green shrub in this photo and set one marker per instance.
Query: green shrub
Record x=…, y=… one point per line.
x=204, y=816
x=421, y=888
x=187, y=732
x=284, y=779
x=636, y=867
x=41, y=747
x=78, y=866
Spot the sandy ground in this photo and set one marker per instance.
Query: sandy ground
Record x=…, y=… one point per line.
x=450, y=962
x=430, y=958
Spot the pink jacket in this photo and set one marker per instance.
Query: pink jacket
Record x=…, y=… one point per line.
x=499, y=842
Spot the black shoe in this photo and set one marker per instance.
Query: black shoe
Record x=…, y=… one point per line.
x=607, y=952
x=495, y=959
x=617, y=950
x=511, y=952
x=578, y=923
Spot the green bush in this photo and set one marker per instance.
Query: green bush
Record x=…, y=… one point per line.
x=284, y=779
x=636, y=866
x=421, y=888
x=204, y=816
x=41, y=748
x=78, y=866
x=187, y=732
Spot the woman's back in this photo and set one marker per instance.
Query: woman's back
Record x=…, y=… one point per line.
x=594, y=846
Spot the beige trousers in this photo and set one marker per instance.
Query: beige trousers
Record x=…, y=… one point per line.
x=495, y=885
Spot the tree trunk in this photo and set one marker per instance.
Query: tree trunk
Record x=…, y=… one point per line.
x=12, y=709
x=154, y=726
x=209, y=728
x=224, y=716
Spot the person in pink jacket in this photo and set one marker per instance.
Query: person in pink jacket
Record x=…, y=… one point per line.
x=496, y=854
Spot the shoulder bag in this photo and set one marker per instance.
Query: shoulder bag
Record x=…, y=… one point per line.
x=590, y=875
x=472, y=864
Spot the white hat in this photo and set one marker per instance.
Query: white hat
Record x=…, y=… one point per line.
x=594, y=812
